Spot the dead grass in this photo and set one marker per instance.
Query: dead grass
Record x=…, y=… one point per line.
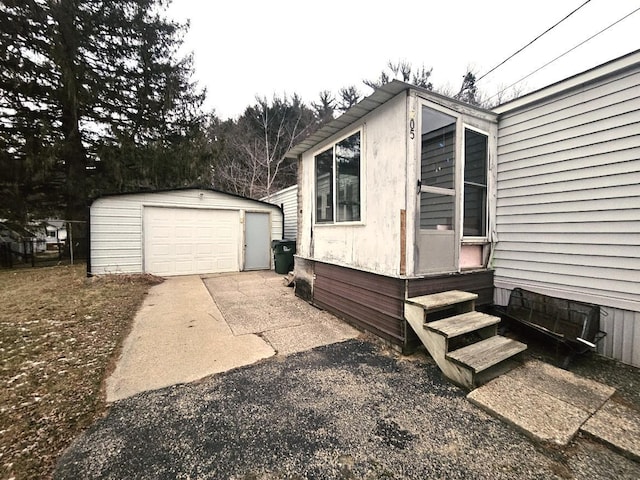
x=59, y=333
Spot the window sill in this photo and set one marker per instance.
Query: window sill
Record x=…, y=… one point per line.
x=340, y=224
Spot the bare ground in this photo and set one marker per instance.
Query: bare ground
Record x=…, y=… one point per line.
x=59, y=334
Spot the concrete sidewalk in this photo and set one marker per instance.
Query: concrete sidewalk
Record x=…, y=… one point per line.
x=180, y=335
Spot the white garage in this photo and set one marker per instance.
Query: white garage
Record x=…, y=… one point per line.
x=181, y=232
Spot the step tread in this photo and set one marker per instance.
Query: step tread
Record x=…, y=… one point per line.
x=442, y=299
x=486, y=353
x=462, y=324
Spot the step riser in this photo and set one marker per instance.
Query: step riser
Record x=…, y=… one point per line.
x=441, y=334
x=436, y=345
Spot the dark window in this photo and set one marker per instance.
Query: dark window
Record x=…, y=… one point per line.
x=437, y=170
x=348, y=179
x=324, y=186
x=475, y=183
x=345, y=155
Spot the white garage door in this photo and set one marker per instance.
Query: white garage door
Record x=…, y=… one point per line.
x=184, y=241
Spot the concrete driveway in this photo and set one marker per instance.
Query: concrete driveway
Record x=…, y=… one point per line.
x=347, y=408
x=180, y=334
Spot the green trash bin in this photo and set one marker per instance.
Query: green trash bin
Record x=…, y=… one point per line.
x=283, y=252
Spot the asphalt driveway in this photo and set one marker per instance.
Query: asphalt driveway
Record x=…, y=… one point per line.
x=346, y=410
x=317, y=403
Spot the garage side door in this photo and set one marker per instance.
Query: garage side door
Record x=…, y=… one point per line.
x=184, y=241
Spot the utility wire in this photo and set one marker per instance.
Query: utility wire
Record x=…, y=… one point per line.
x=565, y=53
x=537, y=38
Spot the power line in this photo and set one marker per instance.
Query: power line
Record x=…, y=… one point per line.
x=538, y=37
x=565, y=53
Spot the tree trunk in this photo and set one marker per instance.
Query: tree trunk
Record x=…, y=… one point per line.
x=74, y=154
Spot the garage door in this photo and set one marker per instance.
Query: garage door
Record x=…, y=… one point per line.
x=184, y=241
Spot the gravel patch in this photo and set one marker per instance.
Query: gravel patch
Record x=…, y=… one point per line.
x=347, y=410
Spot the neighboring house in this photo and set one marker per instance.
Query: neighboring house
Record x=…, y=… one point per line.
x=56, y=233
x=410, y=193
x=50, y=234
x=287, y=199
x=181, y=232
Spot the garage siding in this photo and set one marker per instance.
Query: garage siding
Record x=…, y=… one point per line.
x=117, y=237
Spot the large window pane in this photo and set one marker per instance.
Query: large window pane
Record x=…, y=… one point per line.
x=438, y=149
x=475, y=184
x=437, y=212
x=348, y=179
x=324, y=186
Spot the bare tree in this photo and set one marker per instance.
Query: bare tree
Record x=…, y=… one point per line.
x=325, y=107
x=348, y=97
x=253, y=162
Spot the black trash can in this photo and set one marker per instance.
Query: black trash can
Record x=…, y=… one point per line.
x=283, y=252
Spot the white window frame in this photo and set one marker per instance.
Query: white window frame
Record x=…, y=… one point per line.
x=332, y=146
x=475, y=239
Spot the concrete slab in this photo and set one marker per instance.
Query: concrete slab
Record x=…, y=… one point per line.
x=578, y=391
x=189, y=328
x=311, y=335
x=178, y=336
x=617, y=425
x=545, y=402
x=260, y=303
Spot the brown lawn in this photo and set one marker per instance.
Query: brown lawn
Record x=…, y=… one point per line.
x=60, y=333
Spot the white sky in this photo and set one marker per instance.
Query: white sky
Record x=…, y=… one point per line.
x=244, y=48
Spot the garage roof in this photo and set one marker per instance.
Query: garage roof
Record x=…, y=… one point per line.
x=177, y=189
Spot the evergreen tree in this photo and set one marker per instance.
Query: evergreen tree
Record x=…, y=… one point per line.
x=93, y=99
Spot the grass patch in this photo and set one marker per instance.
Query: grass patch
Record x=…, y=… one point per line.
x=59, y=333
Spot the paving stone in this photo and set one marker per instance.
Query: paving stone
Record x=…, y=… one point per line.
x=617, y=425
x=580, y=392
x=539, y=415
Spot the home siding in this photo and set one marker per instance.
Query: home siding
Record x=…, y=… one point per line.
x=117, y=231
x=288, y=200
x=373, y=244
x=568, y=198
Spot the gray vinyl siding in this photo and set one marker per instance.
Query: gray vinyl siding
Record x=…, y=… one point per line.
x=287, y=198
x=568, y=201
x=116, y=236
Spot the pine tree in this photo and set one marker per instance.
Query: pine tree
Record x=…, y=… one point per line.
x=93, y=99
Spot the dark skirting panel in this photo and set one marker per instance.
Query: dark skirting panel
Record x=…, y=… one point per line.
x=480, y=282
x=375, y=303
x=372, y=302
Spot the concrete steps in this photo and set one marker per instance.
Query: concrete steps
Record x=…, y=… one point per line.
x=464, y=343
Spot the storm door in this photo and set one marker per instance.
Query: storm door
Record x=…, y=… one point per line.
x=438, y=238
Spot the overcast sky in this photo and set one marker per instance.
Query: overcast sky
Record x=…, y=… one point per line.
x=244, y=48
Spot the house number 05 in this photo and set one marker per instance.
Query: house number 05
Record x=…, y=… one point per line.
x=412, y=129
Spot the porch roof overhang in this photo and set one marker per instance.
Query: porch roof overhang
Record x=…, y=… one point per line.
x=381, y=95
x=355, y=113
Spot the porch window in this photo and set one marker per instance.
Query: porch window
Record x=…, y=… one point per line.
x=324, y=186
x=437, y=172
x=338, y=181
x=475, y=184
